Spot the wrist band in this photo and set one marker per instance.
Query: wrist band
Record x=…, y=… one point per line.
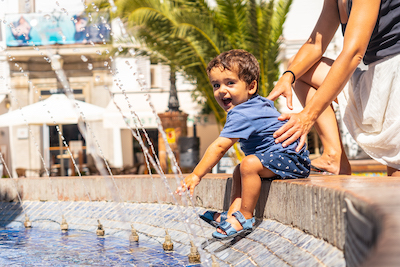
x=294, y=76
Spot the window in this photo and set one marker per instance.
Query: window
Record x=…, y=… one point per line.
x=153, y=77
x=70, y=133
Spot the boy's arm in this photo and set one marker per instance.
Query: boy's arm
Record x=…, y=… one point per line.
x=213, y=154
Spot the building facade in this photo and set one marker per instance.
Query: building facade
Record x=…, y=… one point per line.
x=35, y=36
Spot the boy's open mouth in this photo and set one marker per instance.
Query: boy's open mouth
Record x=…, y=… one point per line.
x=226, y=101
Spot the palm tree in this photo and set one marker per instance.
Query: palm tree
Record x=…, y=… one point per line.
x=187, y=34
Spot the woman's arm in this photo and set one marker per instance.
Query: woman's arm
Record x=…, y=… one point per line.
x=311, y=52
x=213, y=154
x=360, y=26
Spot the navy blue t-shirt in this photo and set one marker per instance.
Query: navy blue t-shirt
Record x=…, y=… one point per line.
x=385, y=39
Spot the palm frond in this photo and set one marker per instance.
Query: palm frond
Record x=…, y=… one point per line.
x=187, y=34
x=232, y=15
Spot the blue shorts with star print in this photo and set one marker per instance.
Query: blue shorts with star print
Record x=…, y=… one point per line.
x=287, y=165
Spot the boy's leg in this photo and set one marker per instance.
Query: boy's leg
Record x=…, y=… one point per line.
x=251, y=170
x=236, y=192
x=333, y=158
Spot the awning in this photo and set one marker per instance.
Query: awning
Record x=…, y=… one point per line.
x=57, y=109
x=140, y=105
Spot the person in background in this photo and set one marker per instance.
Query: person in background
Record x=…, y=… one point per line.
x=369, y=105
x=81, y=24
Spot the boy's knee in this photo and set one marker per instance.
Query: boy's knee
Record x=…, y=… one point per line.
x=249, y=164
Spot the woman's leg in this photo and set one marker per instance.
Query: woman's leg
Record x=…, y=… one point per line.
x=333, y=158
x=393, y=172
x=251, y=170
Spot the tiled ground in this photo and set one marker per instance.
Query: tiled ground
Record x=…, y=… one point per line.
x=270, y=244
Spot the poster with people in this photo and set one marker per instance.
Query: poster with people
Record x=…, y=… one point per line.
x=56, y=28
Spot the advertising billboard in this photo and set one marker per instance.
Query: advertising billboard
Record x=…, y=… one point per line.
x=56, y=28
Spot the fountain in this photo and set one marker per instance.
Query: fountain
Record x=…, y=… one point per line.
x=123, y=225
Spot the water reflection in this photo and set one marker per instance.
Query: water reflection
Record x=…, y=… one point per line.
x=22, y=247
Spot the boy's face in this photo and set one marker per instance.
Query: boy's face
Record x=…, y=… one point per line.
x=229, y=90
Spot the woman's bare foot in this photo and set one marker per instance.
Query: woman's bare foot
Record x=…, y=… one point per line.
x=333, y=164
x=392, y=171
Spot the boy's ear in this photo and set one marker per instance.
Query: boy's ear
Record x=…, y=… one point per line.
x=253, y=87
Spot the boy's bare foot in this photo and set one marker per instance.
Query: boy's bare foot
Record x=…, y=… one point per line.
x=235, y=224
x=217, y=217
x=332, y=164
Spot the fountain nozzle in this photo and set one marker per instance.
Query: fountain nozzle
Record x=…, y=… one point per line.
x=64, y=225
x=168, y=245
x=100, y=230
x=194, y=255
x=27, y=223
x=134, y=237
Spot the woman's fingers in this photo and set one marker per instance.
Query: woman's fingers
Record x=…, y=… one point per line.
x=289, y=137
x=283, y=129
x=302, y=142
x=289, y=102
x=296, y=127
x=274, y=95
x=282, y=90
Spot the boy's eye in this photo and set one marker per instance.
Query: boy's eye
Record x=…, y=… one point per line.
x=230, y=83
x=216, y=86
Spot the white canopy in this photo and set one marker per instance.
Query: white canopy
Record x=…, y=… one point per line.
x=57, y=109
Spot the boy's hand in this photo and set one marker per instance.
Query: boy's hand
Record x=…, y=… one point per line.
x=191, y=181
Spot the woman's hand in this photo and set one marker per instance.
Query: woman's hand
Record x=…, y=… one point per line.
x=189, y=183
x=298, y=126
x=284, y=88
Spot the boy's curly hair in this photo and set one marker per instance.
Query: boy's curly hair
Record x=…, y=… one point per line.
x=240, y=61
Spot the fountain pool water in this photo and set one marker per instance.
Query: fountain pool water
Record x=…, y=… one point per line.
x=39, y=247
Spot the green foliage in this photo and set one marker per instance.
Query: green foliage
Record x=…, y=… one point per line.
x=187, y=34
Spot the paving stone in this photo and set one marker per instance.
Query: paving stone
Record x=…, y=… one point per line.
x=260, y=254
x=242, y=244
x=296, y=256
x=264, y=237
x=245, y=263
x=335, y=258
x=273, y=261
x=322, y=251
x=294, y=235
x=312, y=244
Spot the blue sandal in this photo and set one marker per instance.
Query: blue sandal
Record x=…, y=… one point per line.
x=208, y=217
x=231, y=232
